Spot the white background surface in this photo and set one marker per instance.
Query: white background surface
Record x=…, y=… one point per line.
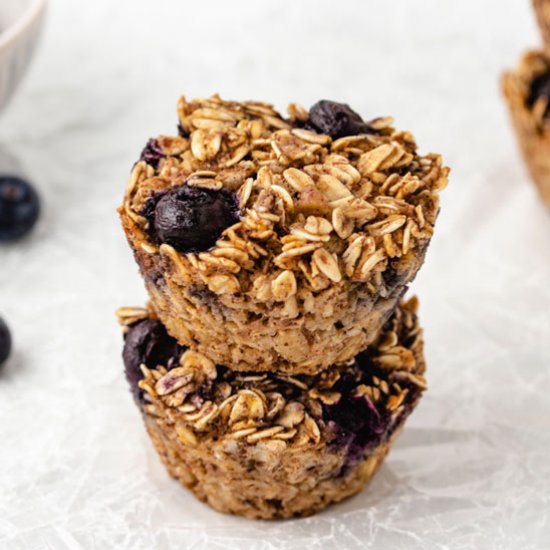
x=472, y=469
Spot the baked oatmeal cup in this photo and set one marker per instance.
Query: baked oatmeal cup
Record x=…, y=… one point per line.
x=527, y=93
x=268, y=242
x=273, y=446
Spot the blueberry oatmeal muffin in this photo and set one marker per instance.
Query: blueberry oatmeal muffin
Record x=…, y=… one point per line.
x=527, y=92
x=268, y=242
x=268, y=445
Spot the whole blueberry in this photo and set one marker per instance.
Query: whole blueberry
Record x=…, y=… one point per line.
x=336, y=119
x=19, y=207
x=147, y=342
x=192, y=218
x=5, y=341
x=540, y=88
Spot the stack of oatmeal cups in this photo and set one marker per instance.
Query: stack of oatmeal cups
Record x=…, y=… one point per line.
x=527, y=93
x=276, y=362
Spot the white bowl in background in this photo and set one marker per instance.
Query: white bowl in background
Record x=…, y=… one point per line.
x=20, y=25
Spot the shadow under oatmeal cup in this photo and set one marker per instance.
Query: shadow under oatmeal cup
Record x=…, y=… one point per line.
x=268, y=242
x=273, y=446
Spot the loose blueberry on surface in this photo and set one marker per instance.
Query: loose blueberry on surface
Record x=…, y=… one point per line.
x=147, y=342
x=540, y=88
x=336, y=119
x=191, y=218
x=5, y=341
x=19, y=207
x=152, y=153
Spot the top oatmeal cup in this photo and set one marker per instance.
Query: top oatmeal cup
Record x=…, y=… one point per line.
x=279, y=244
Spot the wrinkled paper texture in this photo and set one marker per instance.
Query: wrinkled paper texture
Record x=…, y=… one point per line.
x=472, y=468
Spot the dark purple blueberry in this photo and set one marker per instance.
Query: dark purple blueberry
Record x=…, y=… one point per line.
x=147, y=342
x=336, y=119
x=19, y=208
x=152, y=153
x=357, y=425
x=191, y=218
x=540, y=88
x=5, y=341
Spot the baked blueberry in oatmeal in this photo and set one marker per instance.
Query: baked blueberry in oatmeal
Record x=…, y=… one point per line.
x=336, y=120
x=146, y=343
x=190, y=218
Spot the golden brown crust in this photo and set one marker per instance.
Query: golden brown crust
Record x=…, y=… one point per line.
x=331, y=231
x=531, y=125
x=262, y=494
x=268, y=445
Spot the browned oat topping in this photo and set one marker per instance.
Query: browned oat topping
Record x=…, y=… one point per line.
x=314, y=211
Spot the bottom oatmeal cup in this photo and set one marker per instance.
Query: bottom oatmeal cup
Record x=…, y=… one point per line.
x=264, y=445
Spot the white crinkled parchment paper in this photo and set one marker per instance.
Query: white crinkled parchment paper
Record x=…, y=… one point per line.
x=472, y=468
